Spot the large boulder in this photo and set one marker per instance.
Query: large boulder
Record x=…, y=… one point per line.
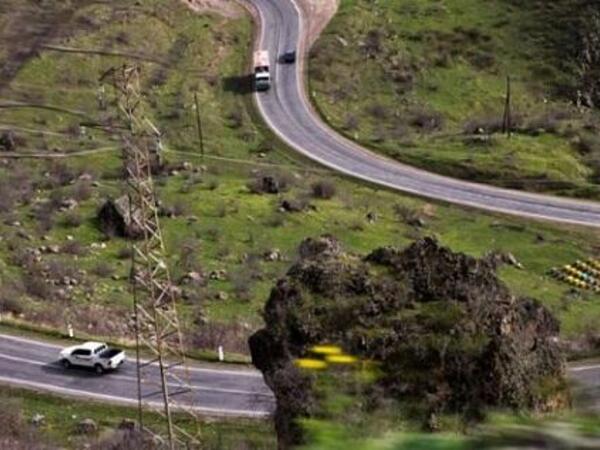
x=447, y=333
x=116, y=218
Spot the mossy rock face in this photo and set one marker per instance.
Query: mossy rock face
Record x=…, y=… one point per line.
x=446, y=331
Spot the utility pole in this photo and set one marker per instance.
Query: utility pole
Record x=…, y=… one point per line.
x=507, y=120
x=156, y=324
x=199, y=126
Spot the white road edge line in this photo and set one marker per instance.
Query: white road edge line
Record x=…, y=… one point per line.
x=583, y=368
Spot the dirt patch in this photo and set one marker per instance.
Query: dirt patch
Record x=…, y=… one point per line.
x=318, y=14
x=226, y=8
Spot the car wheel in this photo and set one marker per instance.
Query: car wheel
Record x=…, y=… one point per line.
x=99, y=369
x=65, y=363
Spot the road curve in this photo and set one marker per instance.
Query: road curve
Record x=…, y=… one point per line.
x=289, y=114
x=33, y=364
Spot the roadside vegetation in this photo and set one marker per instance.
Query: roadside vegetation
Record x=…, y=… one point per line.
x=424, y=82
x=233, y=219
x=35, y=421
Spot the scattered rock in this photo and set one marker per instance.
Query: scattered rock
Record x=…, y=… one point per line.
x=272, y=255
x=222, y=295
x=499, y=258
x=269, y=185
x=217, y=275
x=8, y=141
x=294, y=205
x=175, y=291
x=325, y=245
x=371, y=217
x=24, y=235
x=86, y=426
x=38, y=420
x=341, y=40
x=127, y=424
x=195, y=278
x=85, y=177
x=418, y=222
x=68, y=204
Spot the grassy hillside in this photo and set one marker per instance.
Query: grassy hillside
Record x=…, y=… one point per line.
x=55, y=264
x=424, y=81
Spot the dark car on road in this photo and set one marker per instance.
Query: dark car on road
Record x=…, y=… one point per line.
x=288, y=57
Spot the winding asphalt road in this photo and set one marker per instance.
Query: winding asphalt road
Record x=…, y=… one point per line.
x=33, y=364
x=288, y=113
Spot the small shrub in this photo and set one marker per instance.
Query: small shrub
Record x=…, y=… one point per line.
x=378, y=111
x=269, y=183
x=221, y=210
x=212, y=184
x=275, y=220
x=235, y=119
x=126, y=440
x=351, y=123
x=426, y=120
x=82, y=191
x=189, y=256
x=323, y=189
x=8, y=197
x=36, y=286
x=10, y=299
x=373, y=44
x=74, y=248
x=125, y=253
x=103, y=270
x=73, y=220
x=232, y=337
x=242, y=284
x=587, y=145
x=11, y=417
x=60, y=174
x=404, y=213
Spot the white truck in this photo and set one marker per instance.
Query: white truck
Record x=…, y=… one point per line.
x=95, y=355
x=262, y=75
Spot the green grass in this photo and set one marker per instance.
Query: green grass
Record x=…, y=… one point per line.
x=380, y=70
x=61, y=419
x=230, y=226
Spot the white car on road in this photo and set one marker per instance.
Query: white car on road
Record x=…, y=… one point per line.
x=96, y=355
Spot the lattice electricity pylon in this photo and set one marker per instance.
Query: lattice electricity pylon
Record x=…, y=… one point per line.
x=164, y=376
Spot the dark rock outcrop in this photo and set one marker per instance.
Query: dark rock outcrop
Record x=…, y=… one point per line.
x=448, y=334
x=115, y=218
